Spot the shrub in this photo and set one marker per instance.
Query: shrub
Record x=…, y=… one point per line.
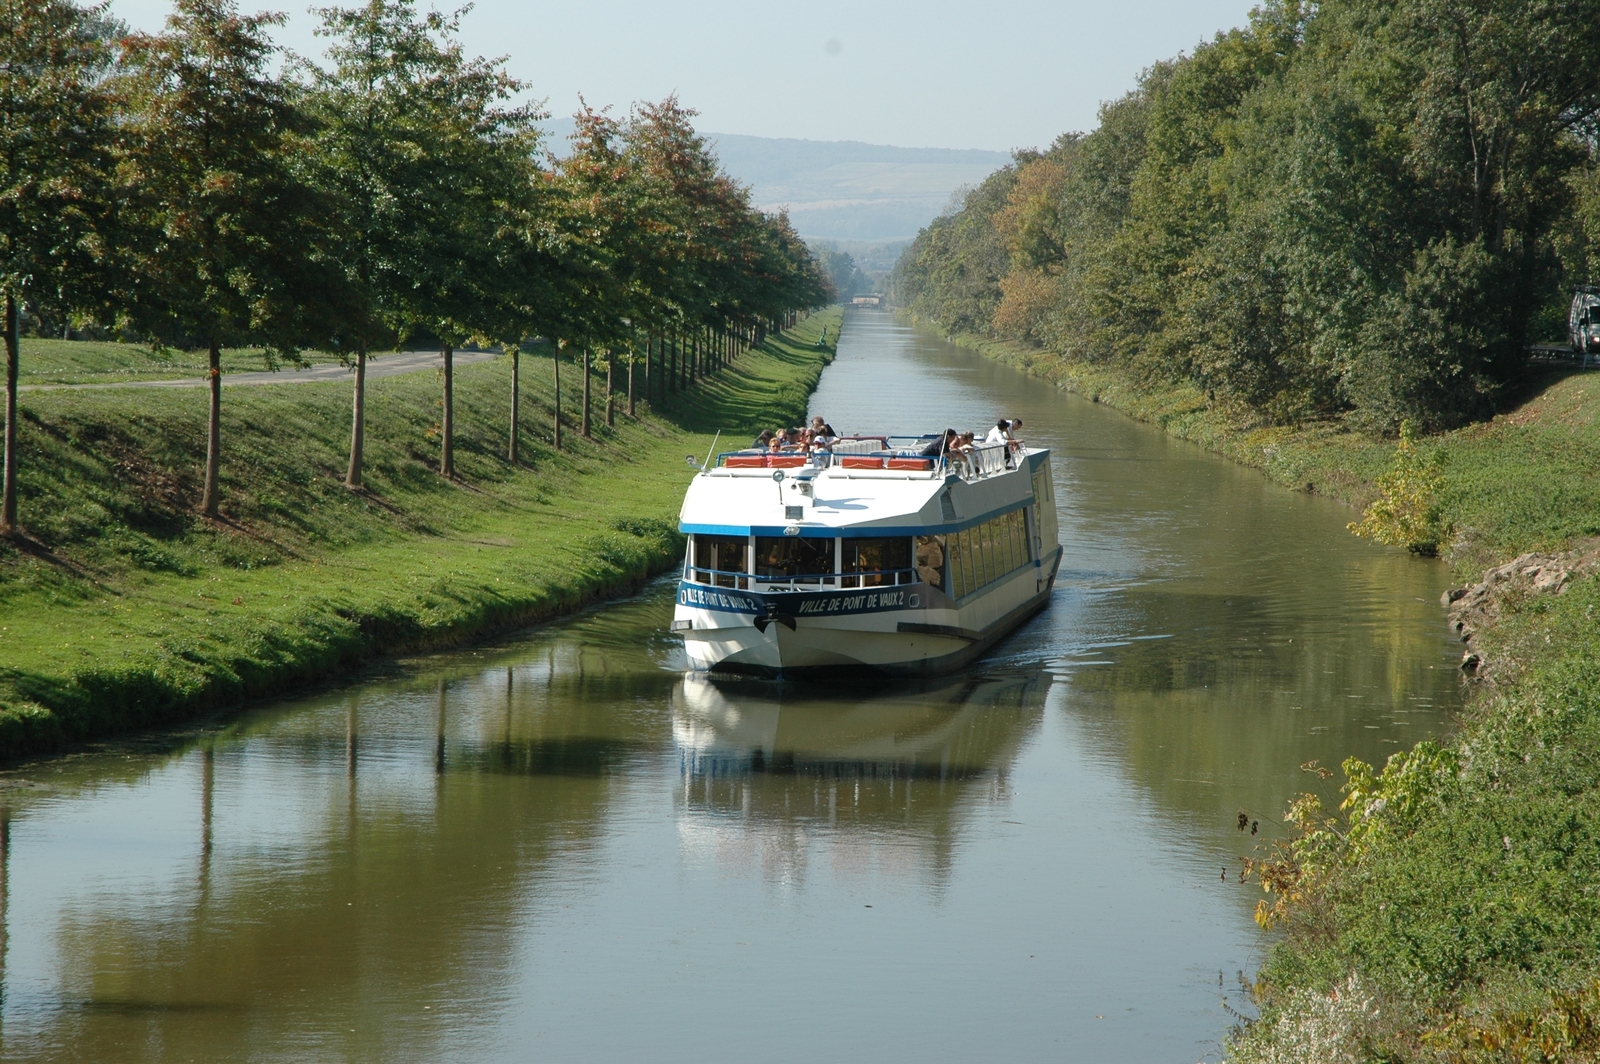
x=1406, y=512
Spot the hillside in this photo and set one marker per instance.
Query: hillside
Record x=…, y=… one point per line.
x=857, y=195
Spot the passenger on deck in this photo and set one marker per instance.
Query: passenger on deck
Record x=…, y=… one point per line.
x=1012, y=438
x=764, y=440
x=940, y=446
x=820, y=426
x=959, y=454
x=998, y=434
x=775, y=444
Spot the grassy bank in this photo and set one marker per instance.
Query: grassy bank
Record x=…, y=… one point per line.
x=1452, y=911
x=45, y=361
x=125, y=610
x=1521, y=482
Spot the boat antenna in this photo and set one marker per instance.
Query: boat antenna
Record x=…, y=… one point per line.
x=713, y=450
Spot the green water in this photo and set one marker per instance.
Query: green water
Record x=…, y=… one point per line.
x=561, y=848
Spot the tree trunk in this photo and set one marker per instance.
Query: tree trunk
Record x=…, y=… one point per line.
x=358, y=422
x=209, y=498
x=447, y=430
x=555, y=360
x=586, y=375
x=649, y=341
x=631, y=412
x=611, y=392
x=516, y=395
x=8, y=501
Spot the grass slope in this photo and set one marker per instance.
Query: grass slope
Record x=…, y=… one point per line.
x=127, y=610
x=44, y=361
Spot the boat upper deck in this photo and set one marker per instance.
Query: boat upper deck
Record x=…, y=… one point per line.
x=864, y=486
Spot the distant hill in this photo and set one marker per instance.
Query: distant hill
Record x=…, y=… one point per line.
x=848, y=191
x=844, y=190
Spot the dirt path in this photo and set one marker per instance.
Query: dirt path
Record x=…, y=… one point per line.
x=377, y=366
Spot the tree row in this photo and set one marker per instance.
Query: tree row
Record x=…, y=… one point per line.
x=1354, y=208
x=201, y=188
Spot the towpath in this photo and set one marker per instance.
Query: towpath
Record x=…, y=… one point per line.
x=377, y=366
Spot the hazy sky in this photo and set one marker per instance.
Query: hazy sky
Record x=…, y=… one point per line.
x=996, y=74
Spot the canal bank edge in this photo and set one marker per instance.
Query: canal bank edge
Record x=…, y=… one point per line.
x=1451, y=909
x=1519, y=483
x=88, y=652
x=1324, y=458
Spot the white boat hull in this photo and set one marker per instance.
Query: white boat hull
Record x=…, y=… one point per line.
x=907, y=630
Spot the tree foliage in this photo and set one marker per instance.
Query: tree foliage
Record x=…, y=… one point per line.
x=55, y=136
x=199, y=188
x=1355, y=208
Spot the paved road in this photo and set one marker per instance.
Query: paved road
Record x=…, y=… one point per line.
x=377, y=366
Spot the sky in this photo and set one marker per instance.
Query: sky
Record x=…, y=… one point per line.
x=998, y=74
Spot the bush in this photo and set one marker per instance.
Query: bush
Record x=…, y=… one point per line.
x=1406, y=512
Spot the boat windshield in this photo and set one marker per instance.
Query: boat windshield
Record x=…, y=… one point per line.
x=871, y=558
x=719, y=557
x=790, y=557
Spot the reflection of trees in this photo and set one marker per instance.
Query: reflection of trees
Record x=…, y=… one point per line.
x=886, y=777
x=353, y=860
x=1219, y=717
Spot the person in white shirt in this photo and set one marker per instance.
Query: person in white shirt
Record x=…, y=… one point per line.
x=1001, y=433
x=1014, y=439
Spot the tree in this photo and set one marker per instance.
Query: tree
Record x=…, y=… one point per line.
x=844, y=276
x=224, y=252
x=55, y=137
x=435, y=177
x=610, y=248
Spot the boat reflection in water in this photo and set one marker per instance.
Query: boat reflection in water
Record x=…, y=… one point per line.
x=885, y=778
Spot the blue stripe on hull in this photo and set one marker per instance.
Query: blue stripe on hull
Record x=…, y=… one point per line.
x=799, y=603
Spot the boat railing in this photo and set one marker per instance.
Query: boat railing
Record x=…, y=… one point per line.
x=897, y=454
x=719, y=578
x=802, y=581
x=988, y=458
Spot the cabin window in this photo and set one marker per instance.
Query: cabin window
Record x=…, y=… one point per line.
x=986, y=554
x=1002, y=547
x=794, y=558
x=1044, y=511
x=1019, y=538
x=717, y=558
x=952, y=563
x=981, y=555
x=875, y=560
x=966, y=580
x=931, y=560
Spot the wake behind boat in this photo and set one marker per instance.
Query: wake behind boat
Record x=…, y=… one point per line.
x=873, y=557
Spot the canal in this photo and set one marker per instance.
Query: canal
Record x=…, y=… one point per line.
x=562, y=848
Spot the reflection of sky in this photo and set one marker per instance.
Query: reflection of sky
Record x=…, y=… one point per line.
x=1021, y=862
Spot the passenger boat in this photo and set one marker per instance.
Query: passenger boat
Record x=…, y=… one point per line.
x=871, y=558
